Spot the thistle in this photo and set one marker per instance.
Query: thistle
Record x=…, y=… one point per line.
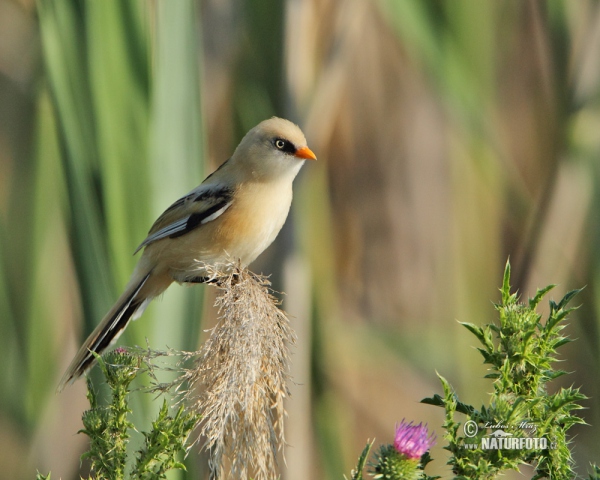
x=404, y=460
x=413, y=441
x=521, y=351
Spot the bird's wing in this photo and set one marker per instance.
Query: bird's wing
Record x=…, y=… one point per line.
x=202, y=205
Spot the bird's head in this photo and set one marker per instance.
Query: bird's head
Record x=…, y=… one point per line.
x=274, y=148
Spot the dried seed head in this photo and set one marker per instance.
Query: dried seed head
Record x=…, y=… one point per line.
x=239, y=379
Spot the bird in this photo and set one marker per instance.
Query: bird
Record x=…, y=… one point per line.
x=235, y=213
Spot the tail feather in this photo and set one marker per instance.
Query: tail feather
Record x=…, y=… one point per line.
x=107, y=331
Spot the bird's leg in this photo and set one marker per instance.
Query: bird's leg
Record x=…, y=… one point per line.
x=199, y=280
x=216, y=281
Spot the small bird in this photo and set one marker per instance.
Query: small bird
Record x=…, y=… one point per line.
x=235, y=213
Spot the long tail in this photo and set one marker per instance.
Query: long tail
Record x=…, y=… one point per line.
x=109, y=329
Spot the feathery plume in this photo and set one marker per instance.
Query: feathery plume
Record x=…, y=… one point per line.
x=239, y=379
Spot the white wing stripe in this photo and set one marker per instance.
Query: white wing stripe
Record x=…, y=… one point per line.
x=217, y=214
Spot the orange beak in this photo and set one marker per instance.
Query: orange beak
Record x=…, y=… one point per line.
x=305, y=153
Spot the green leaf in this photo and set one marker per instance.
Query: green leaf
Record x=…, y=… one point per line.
x=553, y=374
x=506, y=297
x=568, y=297
x=357, y=473
x=487, y=357
x=465, y=409
x=533, y=302
x=436, y=400
x=483, y=336
x=556, y=316
x=560, y=341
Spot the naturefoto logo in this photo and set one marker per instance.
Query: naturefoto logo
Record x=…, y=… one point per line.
x=501, y=438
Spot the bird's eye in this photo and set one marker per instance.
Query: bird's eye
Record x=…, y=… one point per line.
x=284, y=145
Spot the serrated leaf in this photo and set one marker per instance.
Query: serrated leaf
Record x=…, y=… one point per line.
x=493, y=327
x=445, y=385
x=595, y=475
x=357, y=474
x=487, y=358
x=564, y=398
x=553, y=374
x=568, y=297
x=561, y=341
x=555, y=318
x=465, y=408
x=475, y=330
x=528, y=336
x=436, y=400
x=506, y=284
x=533, y=302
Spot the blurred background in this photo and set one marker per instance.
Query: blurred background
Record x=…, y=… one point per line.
x=450, y=136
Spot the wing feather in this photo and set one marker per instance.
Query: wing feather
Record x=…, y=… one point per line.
x=200, y=206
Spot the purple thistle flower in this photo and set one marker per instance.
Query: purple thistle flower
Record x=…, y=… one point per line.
x=412, y=440
x=120, y=350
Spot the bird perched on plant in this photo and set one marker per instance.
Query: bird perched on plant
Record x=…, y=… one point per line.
x=235, y=213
